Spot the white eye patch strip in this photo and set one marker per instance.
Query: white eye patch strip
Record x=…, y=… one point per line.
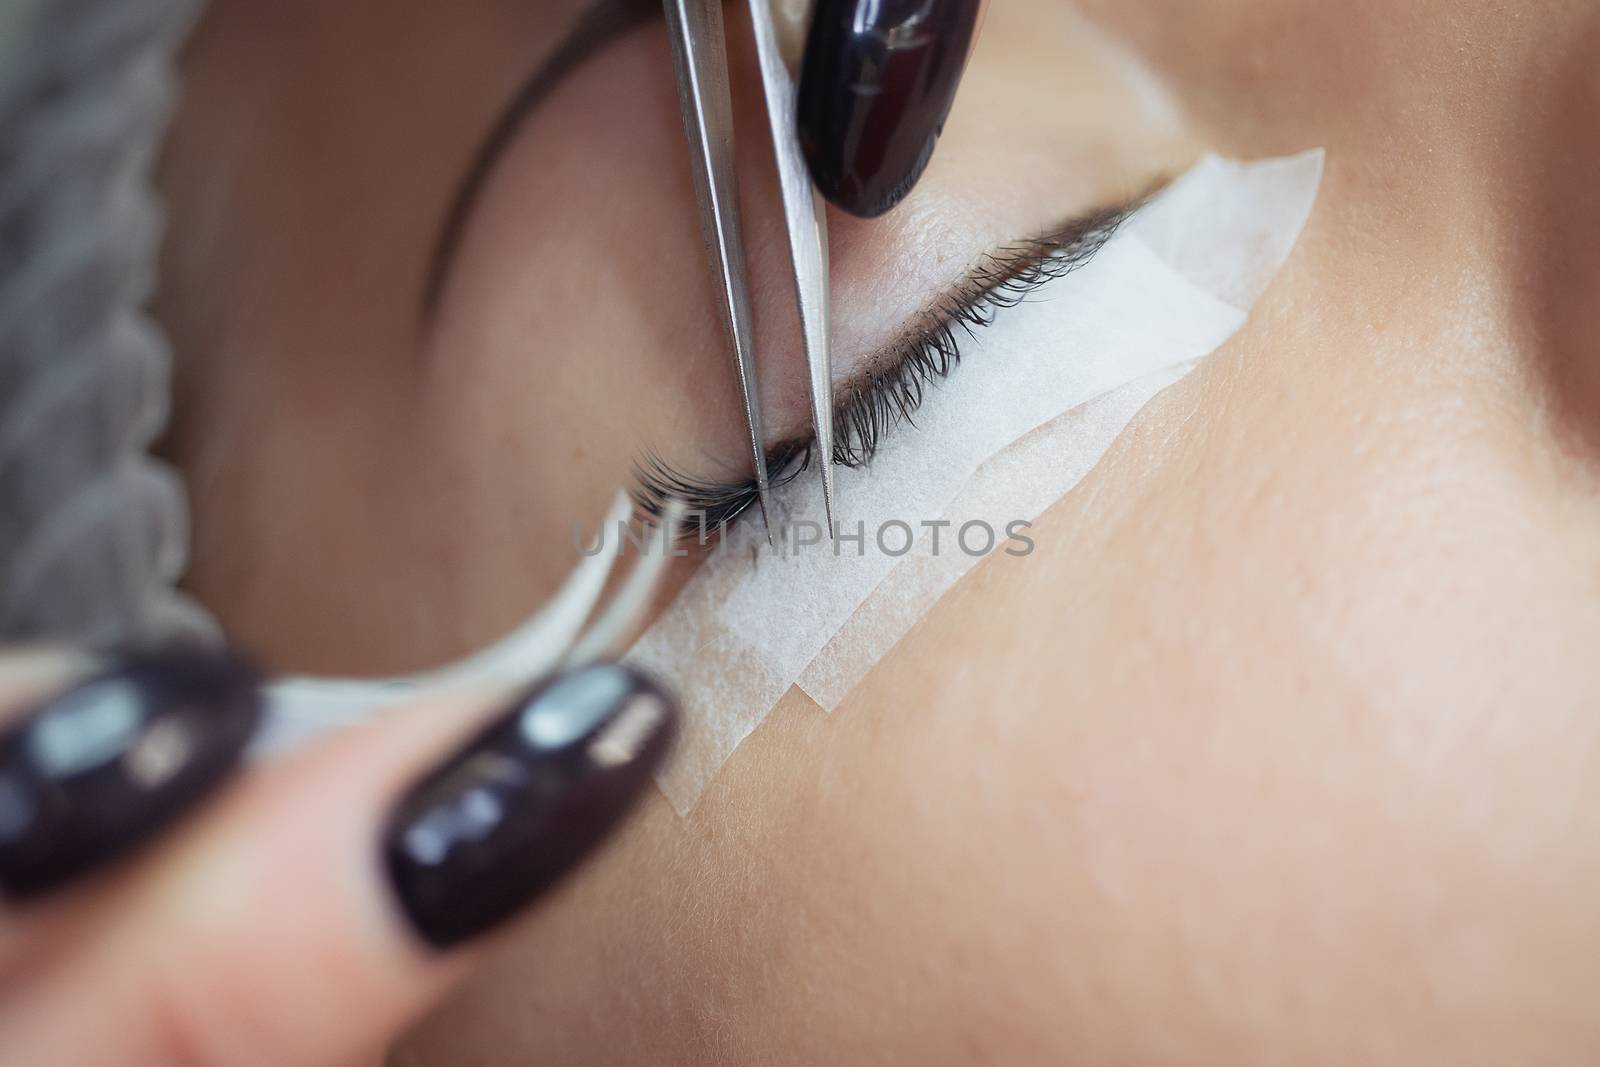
x=1017, y=484
x=1037, y=399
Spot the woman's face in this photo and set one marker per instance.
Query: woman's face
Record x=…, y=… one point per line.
x=399, y=412
x=1280, y=745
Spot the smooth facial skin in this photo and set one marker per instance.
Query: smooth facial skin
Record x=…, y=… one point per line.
x=1281, y=748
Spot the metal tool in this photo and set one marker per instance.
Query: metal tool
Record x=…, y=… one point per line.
x=699, y=47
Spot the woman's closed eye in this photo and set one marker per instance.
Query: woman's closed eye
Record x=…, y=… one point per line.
x=890, y=389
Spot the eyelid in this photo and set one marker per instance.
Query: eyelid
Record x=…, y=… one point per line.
x=600, y=24
x=889, y=392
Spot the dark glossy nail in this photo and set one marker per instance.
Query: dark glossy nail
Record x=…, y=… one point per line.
x=515, y=809
x=115, y=760
x=877, y=84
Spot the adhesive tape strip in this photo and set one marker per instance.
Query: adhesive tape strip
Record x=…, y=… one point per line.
x=1016, y=485
x=1248, y=202
x=1167, y=290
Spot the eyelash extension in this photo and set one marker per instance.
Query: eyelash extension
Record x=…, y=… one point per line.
x=885, y=399
x=889, y=398
x=711, y=505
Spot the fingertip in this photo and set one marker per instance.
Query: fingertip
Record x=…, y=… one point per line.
x=516, y=808
x=109, y=761
x=876, y=87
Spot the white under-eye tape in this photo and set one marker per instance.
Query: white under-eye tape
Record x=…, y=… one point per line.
x=1037, y=399
x=1013, y=487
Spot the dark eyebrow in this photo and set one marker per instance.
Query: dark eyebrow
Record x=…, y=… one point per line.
x=602, y=22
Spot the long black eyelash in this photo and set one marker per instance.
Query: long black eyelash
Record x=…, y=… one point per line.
x=1004, y=279
x=710, y=505
x=891, y=396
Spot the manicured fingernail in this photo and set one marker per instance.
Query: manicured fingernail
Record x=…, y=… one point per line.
x=519, y=806
x=877, y=84
x=116, y=759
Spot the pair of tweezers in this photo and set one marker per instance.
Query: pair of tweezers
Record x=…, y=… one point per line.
x=699, y=47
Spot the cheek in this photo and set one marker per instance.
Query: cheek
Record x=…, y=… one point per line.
x=1244, y=756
